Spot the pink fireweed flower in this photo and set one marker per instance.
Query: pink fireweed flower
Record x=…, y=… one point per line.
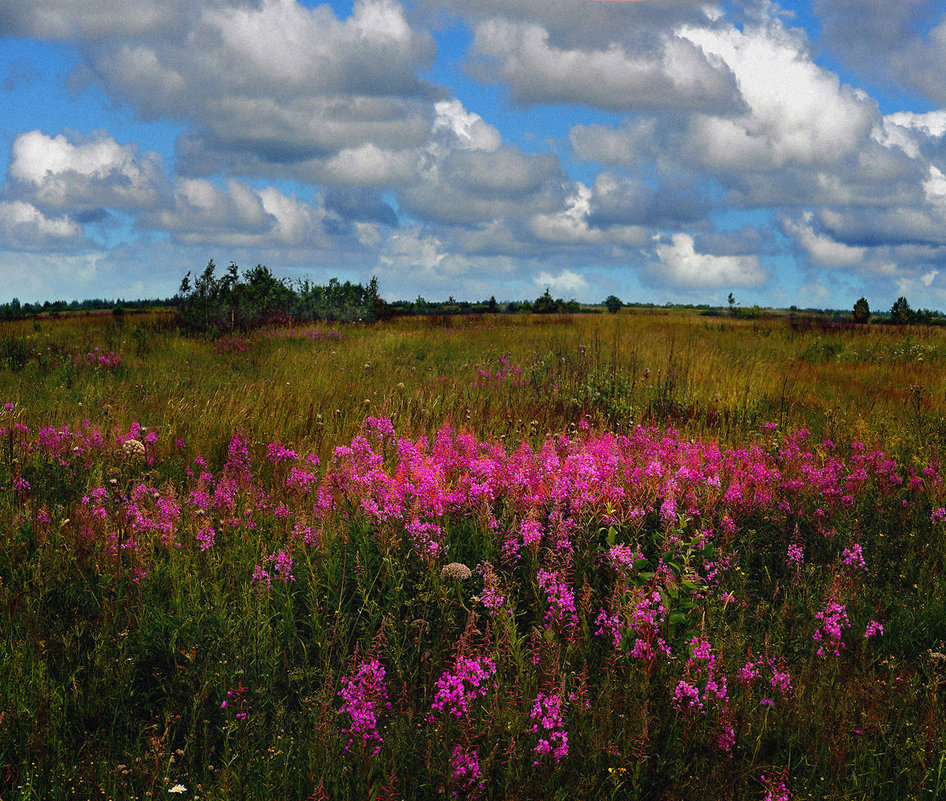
x=561, y=599
x=490, y=597
x=553, y=738
x=775, y=789
x=458, y=688
x=364, y=694
x=748, y=673
x=609, y=624
x=282, y=565
x=511, y=547
x=261, y=576
x=781, y=680
x=306, y=534
x=853, y=557
x=646, y=621
x=205, y=538
x=380, y=427
x=700, y=669
x=465, y=767
x=99, y=358
x=795, y=556
x=668, y=512
x=237, y=696
x=300, y=479
x=622, y=558
x=833, y=621
x=686, y=697
x=874, y=629
x=531, y=533
x=237, y=467
x=726, y=739
x=278, y=453
x=427, y=539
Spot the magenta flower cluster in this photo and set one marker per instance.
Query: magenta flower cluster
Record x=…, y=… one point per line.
x=833, y=622
x=531, y=504
x=507, y=373
x=364, y=696
x=100, y=358
x=796, y=555
x=458, y=688
x=776, y=789
x=465, y=770
x=853, y=557
x=561, y=599
x=705, y=686
x=548, y=724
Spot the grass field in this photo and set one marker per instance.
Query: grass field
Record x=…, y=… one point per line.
x=648, y=555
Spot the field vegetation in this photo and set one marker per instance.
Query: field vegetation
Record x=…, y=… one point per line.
x=639, y=555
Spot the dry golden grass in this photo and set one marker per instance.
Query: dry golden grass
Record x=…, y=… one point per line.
x=715, y=377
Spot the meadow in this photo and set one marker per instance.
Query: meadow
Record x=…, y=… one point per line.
x=648, y=555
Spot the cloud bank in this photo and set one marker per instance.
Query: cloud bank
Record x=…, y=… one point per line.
x=692, y=150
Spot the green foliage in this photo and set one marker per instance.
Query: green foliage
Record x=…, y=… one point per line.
x=901, y=313
x=862, y=311
x=613, y=304
x=257, y=298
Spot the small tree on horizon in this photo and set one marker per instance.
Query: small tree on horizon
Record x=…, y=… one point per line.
x=900, y=312
x=862, y=311
x=613, y=304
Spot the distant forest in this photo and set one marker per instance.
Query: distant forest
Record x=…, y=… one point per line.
x=214, y=303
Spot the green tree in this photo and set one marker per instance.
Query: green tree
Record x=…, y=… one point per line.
x=862, y=311
x=613, y=303
x=546, y=304
x=900, y=312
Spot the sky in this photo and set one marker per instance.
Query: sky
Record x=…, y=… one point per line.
x=665, y=151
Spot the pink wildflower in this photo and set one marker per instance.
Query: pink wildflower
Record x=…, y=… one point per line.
x=364, y=694
x=553, y=738
x=833, y=621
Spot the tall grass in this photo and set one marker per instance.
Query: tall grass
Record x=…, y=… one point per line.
x=223, y=562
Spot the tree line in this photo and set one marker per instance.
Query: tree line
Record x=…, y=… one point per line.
x=15, y=310
x=232, y=301
x=900, y=314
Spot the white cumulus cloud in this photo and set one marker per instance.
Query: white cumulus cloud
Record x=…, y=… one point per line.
x=567, y=282
x=679, y=263
x=24, y=227
x=797, y=112
x=676, y=74
x=59, y=173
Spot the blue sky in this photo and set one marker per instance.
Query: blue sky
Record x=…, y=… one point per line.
x=659, y=150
